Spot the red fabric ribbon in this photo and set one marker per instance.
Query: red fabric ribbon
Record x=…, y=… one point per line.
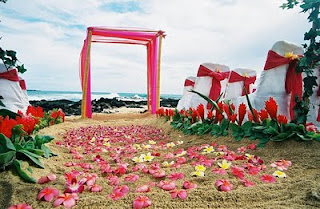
x=22, y=84
x=293, y=83
x=235, y=77
x=10, y=75
x=189, y=83
x=216, y=85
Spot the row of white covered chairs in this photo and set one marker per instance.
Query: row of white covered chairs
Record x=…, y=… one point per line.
x=215, y=80
x=277, y=80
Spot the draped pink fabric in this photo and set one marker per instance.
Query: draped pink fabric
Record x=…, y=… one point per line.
x=188, y=82
x=11, y=75
x=124, y=36
x=235, y=77
x=217, y=77
x=293, y=82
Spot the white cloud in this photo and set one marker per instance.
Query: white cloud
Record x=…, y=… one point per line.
x=48, y=37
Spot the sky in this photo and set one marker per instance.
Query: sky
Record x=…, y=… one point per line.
x=48, y=36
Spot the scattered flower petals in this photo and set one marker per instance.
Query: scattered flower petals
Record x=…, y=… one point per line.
x=279, y=174
x=48, y=194
x=141, y=202
x=189, y=185
x=68, y=200
x=143, y=188
x=20, y=206
x=224, y=185
x=268, y=178
x=224, y=165
x=182, y=194
x=46, y=179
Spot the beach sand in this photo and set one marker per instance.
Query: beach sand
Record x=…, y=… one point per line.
x=301, y=188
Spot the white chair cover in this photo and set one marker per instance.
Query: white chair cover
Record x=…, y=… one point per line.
x=184, y=101
x=14, y=98
x=235, y=89
x=272, y=82
x=203, y=83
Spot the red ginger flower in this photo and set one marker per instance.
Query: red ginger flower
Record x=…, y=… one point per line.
x=242, y=112
x=271, y=107
x=200, y=110
x=35, y=111
x=210, y=115
x=282, y=119
x=252, y=118
x=171, y=113
x=263, y=114
x=28, y=122
x=194, y=115
x=6, y=126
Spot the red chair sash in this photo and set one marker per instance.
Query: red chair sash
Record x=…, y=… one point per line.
x=293, y=82
x=217, y=77
x=23, y=84
x=189, y=83
x=10, y=75
x=235, y=77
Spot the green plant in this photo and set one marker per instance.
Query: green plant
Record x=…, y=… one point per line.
x=23, y=149
x=311, y=59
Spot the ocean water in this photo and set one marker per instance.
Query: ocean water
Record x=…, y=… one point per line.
x=76, y=96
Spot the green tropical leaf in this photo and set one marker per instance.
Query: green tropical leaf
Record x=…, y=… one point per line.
x=213, y=103
x=7, y=158
x=6, y=143
x=33, y=157
x=24, y=173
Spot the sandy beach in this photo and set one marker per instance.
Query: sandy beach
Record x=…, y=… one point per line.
x=299, y=190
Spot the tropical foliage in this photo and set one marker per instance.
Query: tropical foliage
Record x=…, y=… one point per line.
x=18, y=142
x=311, y=59
x=264, y=125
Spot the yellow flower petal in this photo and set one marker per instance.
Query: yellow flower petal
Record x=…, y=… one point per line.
x=200, y=168
x=152, y=142
x=279, y=174
x=224, y=165
x=197, y=173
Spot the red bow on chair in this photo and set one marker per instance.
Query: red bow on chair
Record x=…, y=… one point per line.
x=10, y=75
x=247, y=80
x=293, y=83
x=216, y=78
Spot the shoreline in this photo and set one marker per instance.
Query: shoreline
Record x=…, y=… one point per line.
x=102, y=105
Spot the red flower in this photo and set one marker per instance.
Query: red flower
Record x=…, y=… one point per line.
x=252, y=118
x=227, y=110
x=35, y=111
x=209, y=115
x=143, y=188
x=182, y=194
x=237, y=171
x=28, y=122
x=160, y=112
x=189, y=185
x=68, y=200
x=263, y=114
x=141, y=202
x=194, y=115
x=282, y=119
x=176, y=176
x=48, y=194
x=171, y=113
x=6, y=126
x=46, y=179
x=268, y=178
x=200, y=110
x=234, y=118
x=271, y=107
x=311, y=127
x=167, y=112
x=223, y=185
x=242, y=112
x=20, y=206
